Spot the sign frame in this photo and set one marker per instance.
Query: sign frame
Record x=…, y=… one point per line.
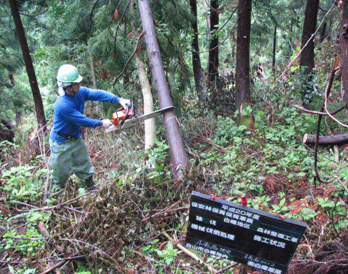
x=238, y=233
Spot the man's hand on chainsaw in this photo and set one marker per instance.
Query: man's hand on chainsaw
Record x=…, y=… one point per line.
x=106, y=123
x=125, y=103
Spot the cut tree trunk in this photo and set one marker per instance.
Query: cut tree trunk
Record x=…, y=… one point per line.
x=178, y=157
x=340, y=139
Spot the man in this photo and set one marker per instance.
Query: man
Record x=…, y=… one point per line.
x=68, y=150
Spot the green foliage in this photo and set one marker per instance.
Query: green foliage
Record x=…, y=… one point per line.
x=150, y=248
x=24, y=270
x=169, y=253
x=23, y=183
x=228, y=131
x=83, y=270
x=28, y=243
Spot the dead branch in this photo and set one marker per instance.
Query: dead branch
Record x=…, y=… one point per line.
x=165, y=212
x=147, y=258
x=318, y=112
x=227, y=268
x=54, y=267
x=130, y=58
x=45, y=208
x=327, y=93
x=42, y=229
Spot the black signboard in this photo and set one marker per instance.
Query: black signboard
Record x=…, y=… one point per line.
x=242, y=234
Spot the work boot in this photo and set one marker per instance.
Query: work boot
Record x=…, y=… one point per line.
x=90, y=184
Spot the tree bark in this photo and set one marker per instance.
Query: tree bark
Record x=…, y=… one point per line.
x=150, y=127
x=91, y=64
x=344, y=50
x=274, y=47
x=178, y=157
x=243, y=54
x=340, y=139
x=309, y=27
x=307, y=55
x=40, y=113
x=213, y=59
x=196, y=60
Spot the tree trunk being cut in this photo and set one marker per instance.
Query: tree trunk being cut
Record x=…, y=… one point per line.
x=309, y=139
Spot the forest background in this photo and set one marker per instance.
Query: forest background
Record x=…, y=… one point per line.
x=248, y=79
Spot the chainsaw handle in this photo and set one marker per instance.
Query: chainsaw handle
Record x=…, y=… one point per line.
x=128, y=108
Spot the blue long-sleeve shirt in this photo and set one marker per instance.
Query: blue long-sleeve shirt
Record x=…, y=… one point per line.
x=68, y=113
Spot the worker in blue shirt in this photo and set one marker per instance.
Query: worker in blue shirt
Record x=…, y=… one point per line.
x=68, y=150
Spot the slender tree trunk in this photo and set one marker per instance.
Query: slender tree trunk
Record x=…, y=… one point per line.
x=274, y=47
x=91, y=64
x=40, y=113
x=178, y=157
x=323, y=33
x=344, y=50
x=329, y=30
x=309, y=27
x=18, y=117
x=232, y=45
x=196, y=60
x=150, y=127
x=213, y=59
x=243, y=54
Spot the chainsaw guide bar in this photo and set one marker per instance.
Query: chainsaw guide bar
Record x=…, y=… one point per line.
x=130, y=122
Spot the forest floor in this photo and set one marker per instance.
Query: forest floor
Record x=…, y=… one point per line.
x=137, y=221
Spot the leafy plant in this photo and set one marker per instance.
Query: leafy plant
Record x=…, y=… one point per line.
x=150, y=248
x=28, y=245
x=23, y=183
x=169, y=253
x=23, y=270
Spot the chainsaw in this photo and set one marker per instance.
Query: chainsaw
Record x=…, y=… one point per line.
x=125, y=117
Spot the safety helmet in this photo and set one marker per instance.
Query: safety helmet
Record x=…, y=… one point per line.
x=68, y=74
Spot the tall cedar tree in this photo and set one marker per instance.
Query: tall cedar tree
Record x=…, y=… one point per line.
x=309, y=26
x=40, y=113
x=213, y=68
x=344, y=50
x=196, y=60
x=307, y=55
x=243, y=53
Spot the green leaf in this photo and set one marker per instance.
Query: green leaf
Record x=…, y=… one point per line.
x=282, y=202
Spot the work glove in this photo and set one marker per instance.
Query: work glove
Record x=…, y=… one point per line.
x=124, y=102
x=106, y=123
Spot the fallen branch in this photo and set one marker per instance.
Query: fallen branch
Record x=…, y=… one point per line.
x=227, y=268
x=319, y=112
x=309, y=139
x=166, y=212
x=192, y=255
x=45, y=208
x=54, y=267
x=43, y=231
x=148, y=258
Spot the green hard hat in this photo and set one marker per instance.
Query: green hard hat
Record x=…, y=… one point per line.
x=68, y=74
